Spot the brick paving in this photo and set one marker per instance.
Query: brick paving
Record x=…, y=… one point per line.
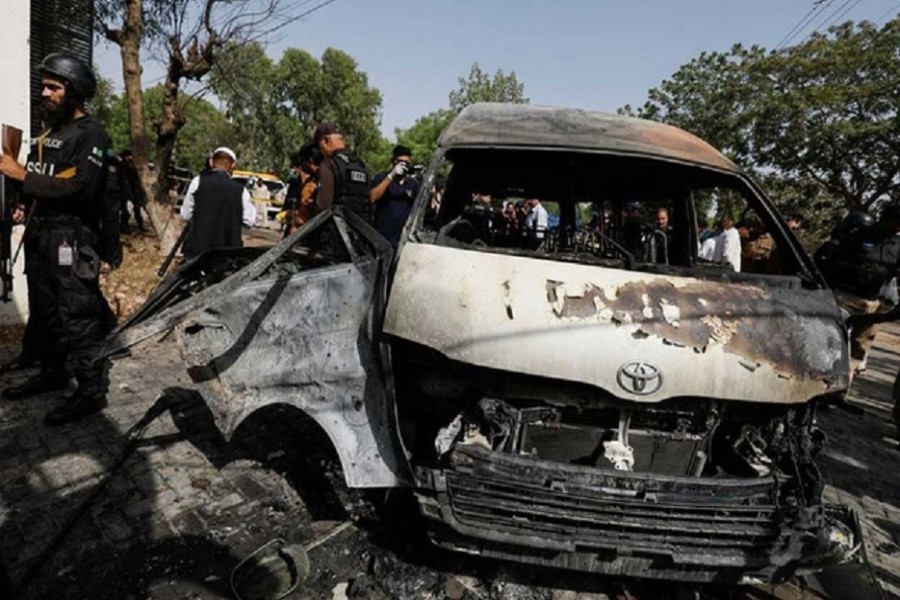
x=172, y=517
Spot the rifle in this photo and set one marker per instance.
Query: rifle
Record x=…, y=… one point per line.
x=178, y=243
x=11, y=143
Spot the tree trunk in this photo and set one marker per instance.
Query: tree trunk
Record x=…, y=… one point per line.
x=129, y=40
x=166, y=132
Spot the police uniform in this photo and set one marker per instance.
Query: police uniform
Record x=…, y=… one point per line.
x=66, y=187
x=858, y=269
x=344, y=181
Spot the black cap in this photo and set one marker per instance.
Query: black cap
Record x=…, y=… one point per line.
x=80, y=78
x=325, y=129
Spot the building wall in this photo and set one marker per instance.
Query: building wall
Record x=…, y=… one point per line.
x=15, y=110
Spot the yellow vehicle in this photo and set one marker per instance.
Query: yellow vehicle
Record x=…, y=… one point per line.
x=276, y=188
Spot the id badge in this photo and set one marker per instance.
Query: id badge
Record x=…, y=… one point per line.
x=65, y=255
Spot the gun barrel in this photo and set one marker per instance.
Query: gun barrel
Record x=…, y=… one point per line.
x=178, y=243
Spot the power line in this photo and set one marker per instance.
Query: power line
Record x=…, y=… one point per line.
x=297, y=17
x=841, y=10
x=896, y=7
x=818, y=7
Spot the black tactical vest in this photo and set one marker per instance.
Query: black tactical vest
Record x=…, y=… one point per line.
x=352, y=184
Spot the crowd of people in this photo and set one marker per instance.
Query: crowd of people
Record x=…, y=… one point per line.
x=73, y=194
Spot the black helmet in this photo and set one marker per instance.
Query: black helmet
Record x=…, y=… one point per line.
x=854, y=221
x=80, y=78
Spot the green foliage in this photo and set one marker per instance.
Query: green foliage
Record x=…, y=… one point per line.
x=205, y=126
x=481, y=87
x=275, y=107
x=423, y=136
x=819, y=122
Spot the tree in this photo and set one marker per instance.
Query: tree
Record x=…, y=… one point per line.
x=422, y=137
x=481, y=87
x=188, y=34
x=275, y=107
x=819, y=121
x=205, y=128
x=832, y=113
x=244, y=81
x=709, y=96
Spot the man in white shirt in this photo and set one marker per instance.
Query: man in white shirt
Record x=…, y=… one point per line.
x=248, y=211
x=537, y=219
x=728, y=245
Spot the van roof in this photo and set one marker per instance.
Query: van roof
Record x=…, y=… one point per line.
x=487, y=124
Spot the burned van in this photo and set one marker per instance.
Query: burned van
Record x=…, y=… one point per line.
x=598, y=347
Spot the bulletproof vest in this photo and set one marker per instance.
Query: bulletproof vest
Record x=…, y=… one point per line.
x=352, y=185
x=861, y=261
x=63, y=152
x=217, y=217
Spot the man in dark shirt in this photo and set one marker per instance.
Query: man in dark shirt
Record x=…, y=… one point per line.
x=216, y=208
x=343, y=178
x=131, y=191
x=304, y=191
x=393, y=193
x=63, y=186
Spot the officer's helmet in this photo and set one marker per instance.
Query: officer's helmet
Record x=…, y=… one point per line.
x=79, y=77
x=857, y=220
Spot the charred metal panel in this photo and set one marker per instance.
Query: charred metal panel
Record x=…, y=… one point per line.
x=151, y=320
x=300, y=342
x=261, y=337
x=734, y=341
x=496, y=124
x=627, y=523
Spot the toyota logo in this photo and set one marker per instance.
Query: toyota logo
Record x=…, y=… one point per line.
x=639, y=378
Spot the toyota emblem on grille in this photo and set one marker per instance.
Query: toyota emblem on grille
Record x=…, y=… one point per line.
x=639, y=378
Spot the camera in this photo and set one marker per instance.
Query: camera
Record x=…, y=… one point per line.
x=413, y=170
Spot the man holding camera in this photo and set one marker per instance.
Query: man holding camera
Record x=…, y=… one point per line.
x=393, y=193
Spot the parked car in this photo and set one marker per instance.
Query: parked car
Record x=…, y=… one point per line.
x=276, y=187
x=591, y=397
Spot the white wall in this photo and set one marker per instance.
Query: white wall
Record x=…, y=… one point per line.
x=15, y=111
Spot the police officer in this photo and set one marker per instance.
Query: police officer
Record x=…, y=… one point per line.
x=63, y=185
x=343, y=178
x=859, y=262
x=393, y=193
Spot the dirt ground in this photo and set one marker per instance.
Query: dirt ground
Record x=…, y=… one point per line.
x=148, y=500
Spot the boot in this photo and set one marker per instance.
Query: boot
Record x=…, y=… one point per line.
x=45, y=381
x=75, y=407
x=19, y=363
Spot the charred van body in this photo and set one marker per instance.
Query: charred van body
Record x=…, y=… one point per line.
x=554, y=389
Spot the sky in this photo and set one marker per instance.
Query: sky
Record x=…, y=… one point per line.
x=589, y=54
